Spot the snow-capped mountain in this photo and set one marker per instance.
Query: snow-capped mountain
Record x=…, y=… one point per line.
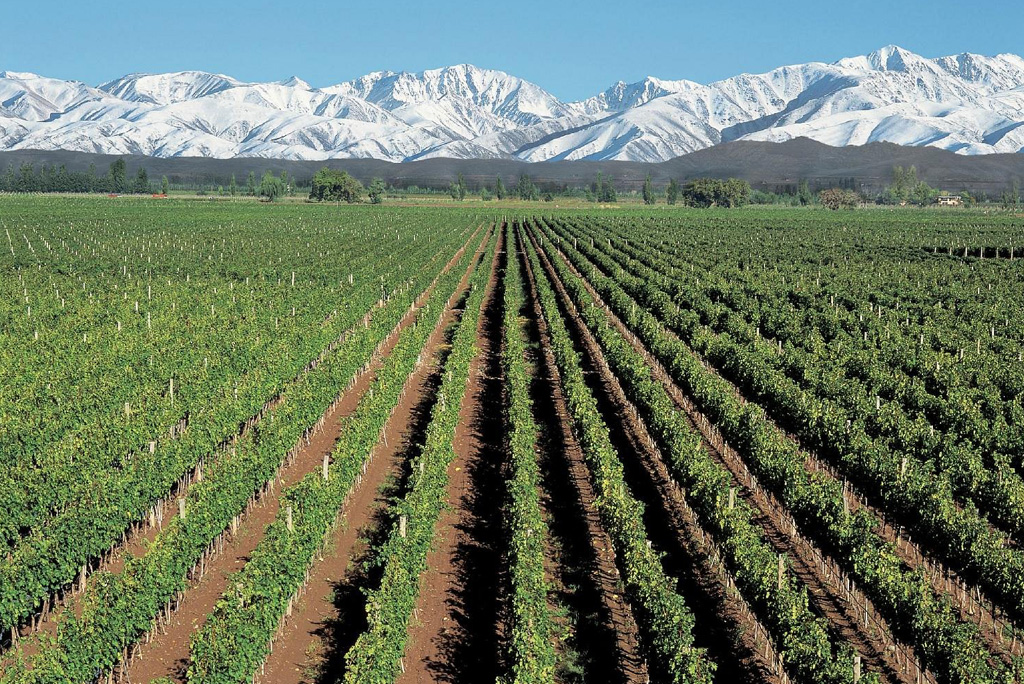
x=163, y=89
x=967, y=103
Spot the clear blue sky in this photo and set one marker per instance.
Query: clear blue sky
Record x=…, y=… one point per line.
x=573, y=50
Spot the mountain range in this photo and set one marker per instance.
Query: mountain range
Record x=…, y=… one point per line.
x=967, y=103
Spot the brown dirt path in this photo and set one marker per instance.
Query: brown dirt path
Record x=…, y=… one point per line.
x=618, y=650
x=165, y=651
x=455, y=632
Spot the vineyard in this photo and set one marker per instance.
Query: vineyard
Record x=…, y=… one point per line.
x=362, y=445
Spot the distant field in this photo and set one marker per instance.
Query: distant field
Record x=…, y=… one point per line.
x=507, y=441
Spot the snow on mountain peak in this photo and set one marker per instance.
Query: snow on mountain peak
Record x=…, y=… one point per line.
x=18, y=75
x=887, y=58
x=162, y=89
x=892, y=58
x=1001, y=72
x=967, y=102
x=295, y=82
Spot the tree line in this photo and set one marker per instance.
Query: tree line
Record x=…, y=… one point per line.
x=43, y=178
x=906, y=188
x=700, y=192
x=525, y=189
x=331, y=185
x=30, y=178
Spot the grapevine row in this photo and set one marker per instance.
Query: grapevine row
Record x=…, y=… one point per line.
x=531, y=647
x=376, y=655
x=236, y=638
x=665, y=617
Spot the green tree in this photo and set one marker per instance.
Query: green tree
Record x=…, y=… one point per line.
x=672, y=192
x=603, y=189
x=62, y=180
x=250, y=184
x=701, y=192
x=330, y=185
x=141, y=185
x=118, y=175
x=837, y=198
x=898, y=192
x=9, y=183
x=648, y=191
x=804, y=194
x=457, y=189
x=27, y=178
x=377, y=190
x=499, y=189
x=271, y=187
x=735, y=193
x=598, y=188
x=904, y=183
x=525, y=189
x=1010, y=199
x=609, y=195
x=709, y=192
x=165, y=187
x=889, y=196
x=233, y=186
x=922, y=193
